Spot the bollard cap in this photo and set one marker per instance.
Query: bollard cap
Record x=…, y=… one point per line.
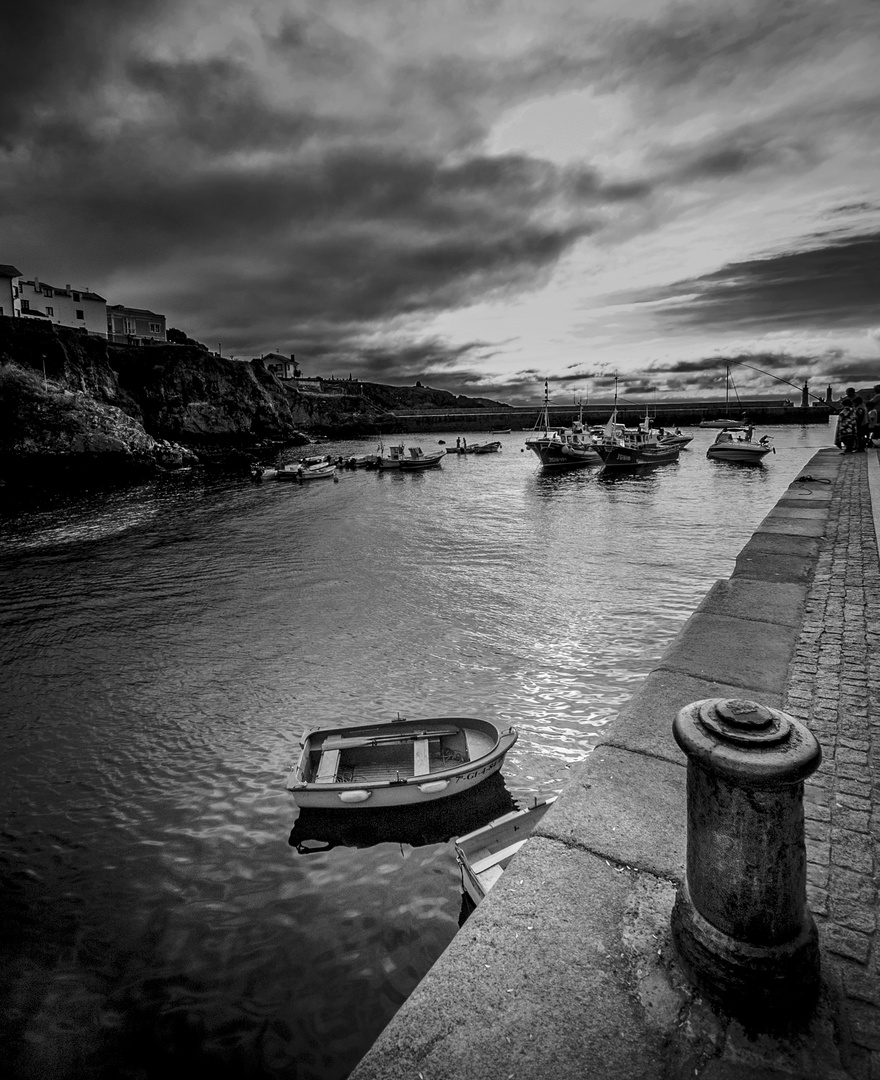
x=747, y=742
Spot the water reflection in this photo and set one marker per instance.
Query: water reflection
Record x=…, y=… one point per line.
x=417, y=825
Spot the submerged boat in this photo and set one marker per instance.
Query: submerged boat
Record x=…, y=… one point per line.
x=396, y=763
x=484, y=854
x=744, y=447
x=562, y=448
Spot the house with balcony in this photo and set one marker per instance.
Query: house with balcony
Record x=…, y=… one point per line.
x=134, y=326
x=9, y=282
x=79, y=308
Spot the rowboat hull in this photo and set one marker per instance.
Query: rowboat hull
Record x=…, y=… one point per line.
x=396, y=764
x=485, y=853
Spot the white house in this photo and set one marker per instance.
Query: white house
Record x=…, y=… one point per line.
x=79, y=308
x=281, y=366
x=133, y=325
x=9, y=280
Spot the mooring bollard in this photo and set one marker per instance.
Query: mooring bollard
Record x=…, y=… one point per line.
x=740, y=923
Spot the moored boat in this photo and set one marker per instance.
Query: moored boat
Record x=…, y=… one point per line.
x=561, y=448
x=485, y=853
x=622, y=447
x=742, y=448
x=418, y=459
x=676, y=438
x=493, y=447
x=729, y=425
x=396, y=763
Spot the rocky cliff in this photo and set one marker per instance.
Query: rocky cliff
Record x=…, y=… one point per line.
x=72, y=402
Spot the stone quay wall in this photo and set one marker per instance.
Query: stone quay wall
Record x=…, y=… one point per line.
x=567, y=968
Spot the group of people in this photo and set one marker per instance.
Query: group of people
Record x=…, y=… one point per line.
x=857, y=423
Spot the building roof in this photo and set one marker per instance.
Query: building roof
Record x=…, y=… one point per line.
x=84, y=293
x=7, y=270
x=121, y=309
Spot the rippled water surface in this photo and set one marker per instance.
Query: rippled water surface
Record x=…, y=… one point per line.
x=163, y=647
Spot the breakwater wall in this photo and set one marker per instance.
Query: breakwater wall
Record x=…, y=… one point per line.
x=525, y=418
x=567, y=968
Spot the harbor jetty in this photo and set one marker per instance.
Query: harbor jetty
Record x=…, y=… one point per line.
x=608, y=949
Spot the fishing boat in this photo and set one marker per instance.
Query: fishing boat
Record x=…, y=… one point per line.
x=562, y=448
x=745, y=447
x=390, y=458
x=622, y=447
x=418, y=459
x=493, y=447
x=396, y=763
x=484, y=854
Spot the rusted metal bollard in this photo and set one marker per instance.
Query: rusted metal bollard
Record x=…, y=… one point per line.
x=740, y=923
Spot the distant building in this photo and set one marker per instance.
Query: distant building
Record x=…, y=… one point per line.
x=79, y=308
x=281, y=366
x=134, y=326
x=9, y=297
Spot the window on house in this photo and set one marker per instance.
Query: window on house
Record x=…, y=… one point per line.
x=50, y=310
x=79, y=313
x=155, y=328
x=25, y=305
x=76, y=297
x=47, y=290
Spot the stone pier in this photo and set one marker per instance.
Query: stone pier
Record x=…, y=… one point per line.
x=567, y=969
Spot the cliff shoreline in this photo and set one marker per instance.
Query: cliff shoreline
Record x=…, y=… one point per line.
x=74, y=406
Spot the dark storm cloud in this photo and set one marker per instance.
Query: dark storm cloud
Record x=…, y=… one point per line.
x=830, y=287
x=55, y=49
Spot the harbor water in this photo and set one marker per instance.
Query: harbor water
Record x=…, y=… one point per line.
x=164, y=907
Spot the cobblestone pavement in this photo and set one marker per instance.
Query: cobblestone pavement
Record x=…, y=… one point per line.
x=834, y=687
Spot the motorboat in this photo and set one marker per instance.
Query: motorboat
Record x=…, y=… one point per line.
x=301, y=471
x=396, y=763
x=676, y=438
x=416, y=458
x=730, y=447
x=561, y=448
x=727, y=425
x=485, y=853
x=493, y=447
x=500, y=431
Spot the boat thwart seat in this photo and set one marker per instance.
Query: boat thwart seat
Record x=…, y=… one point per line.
x=421, y=757
x=497, y=857
x=328, y=767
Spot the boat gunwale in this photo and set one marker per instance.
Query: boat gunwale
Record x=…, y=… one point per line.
x=503, y=741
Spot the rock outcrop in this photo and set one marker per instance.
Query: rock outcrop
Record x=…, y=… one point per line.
x=73, y=402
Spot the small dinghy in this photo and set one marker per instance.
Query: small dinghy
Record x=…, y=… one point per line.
x=396, y=763
x=483, y=854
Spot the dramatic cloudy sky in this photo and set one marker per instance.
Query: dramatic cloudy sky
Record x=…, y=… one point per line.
x=475, y=193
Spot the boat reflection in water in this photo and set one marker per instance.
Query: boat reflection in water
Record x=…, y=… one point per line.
x=417, y=825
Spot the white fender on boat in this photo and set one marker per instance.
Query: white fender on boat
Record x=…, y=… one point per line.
x=354, y=796
x=433, y=785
